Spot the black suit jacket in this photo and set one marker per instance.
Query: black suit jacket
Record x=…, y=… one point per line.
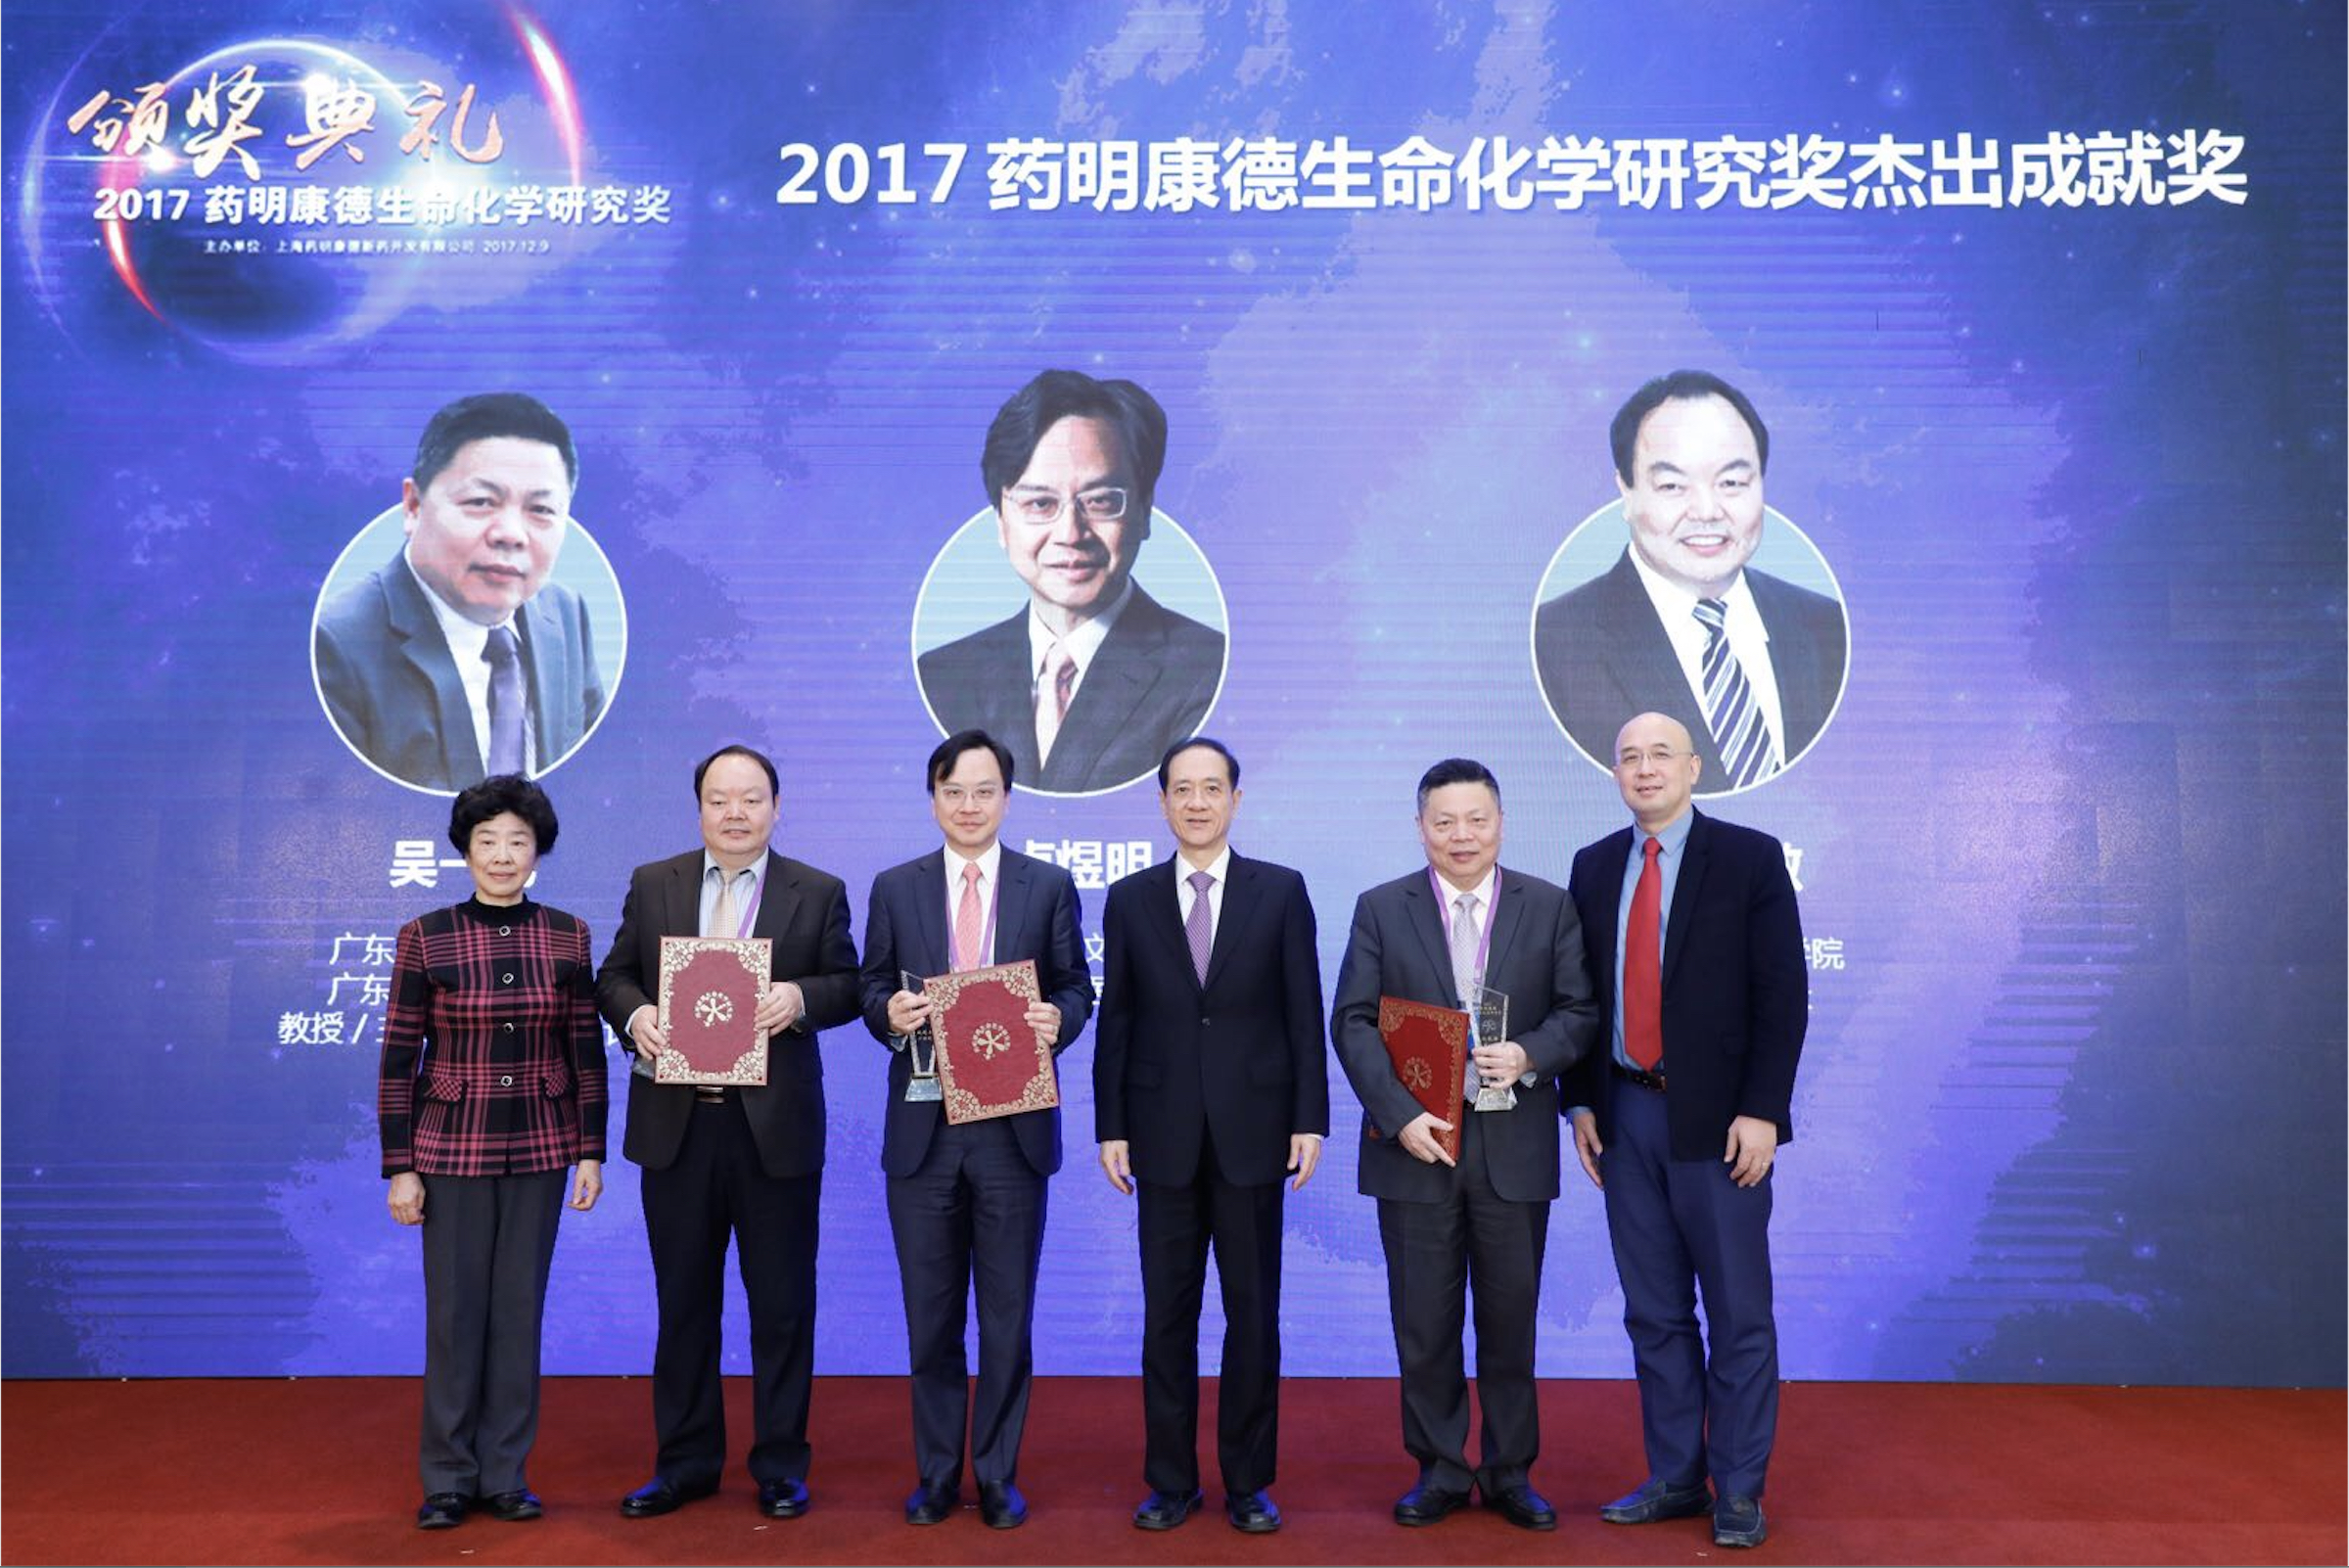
x=805, y=913
x=1149, y=686
x=1239, y=1056
x=1396, y=948
x=1604, y=656
x=392, y=688
x=1736, y=989
x=905, y=930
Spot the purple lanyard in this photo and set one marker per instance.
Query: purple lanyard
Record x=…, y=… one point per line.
x=750, y=912
x=1484, y=940
x=986, y=932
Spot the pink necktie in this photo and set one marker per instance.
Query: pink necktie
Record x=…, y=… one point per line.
x=966, y=920
x=1053, y=694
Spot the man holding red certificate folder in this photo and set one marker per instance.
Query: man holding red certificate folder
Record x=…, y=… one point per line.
x=1460, y=928
x=966, y=1201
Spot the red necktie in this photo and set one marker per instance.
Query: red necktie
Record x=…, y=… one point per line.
x=966, y=921
x=1642, y=973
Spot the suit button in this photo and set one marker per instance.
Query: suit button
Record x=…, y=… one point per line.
x=509, y=1029
x=508, y=931
x=506, y=980
x=1203, y=1021
x=506, y=1082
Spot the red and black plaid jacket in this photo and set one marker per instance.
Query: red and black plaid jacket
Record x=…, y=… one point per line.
x=493, y=1056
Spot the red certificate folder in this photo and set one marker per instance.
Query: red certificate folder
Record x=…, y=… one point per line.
x=709, y=1003
x=989, y=1061
x=1429, y=1047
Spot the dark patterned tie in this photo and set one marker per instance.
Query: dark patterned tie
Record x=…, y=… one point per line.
x=1748, y=752
x=503, y=655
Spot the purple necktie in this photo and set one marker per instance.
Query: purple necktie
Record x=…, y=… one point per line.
x=503, y=655
x=1201, y=926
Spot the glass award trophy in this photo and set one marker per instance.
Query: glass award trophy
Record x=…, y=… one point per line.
x=1491, y=1010
x=921, y=1051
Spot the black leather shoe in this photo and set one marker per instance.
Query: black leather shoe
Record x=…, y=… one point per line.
x=1164, y=1510
x=660, y=1495
x=929, y=1505
x=1524, y=1508
x=1001, y=1505
x=1656, y=1500
x=1425, y=1504
x=786, y=1499
x=515, y=1507
x=442, y=1510
x=1737, y=1522
x=1251, y=1512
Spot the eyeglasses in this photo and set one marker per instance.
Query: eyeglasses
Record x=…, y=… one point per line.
x=1658, y=756
x=953, y=794
x=1105, y=504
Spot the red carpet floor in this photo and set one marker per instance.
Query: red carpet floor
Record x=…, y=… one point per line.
x=323, y=1471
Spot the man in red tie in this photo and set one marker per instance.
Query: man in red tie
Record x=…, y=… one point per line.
x=1696, y=949
x=966, y=1202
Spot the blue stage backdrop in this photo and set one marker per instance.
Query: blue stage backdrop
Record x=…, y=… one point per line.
x=2043, y=306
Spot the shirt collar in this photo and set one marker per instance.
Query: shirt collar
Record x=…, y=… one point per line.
x=1082, y=643
x=1673, y=836
x=1676, y=606
x=757, y=868
x=466, y=638
x=990, y=863
x=1219, y=868
x=1451, y=895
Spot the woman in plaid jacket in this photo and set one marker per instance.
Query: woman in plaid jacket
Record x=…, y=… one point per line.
x=492, y=1087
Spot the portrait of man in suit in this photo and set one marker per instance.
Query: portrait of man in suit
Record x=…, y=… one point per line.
x=1436, y=934
x=1683, y=624
x=1695, y=951
x=966, y=1201
x=459, y=658
x=1092, y=678
x=1209, y=1087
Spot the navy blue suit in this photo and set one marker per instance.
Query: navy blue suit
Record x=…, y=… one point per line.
x=1735, y=1004
x=1207, y=1081
x=1604, y=658
x=966, y=1204
x=392, y=688
x=1489, y=1217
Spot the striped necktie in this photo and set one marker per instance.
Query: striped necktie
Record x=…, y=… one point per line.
x=1748, y=752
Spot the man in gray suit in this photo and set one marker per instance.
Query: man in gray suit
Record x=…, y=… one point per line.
x=458, y=659
x=1090, y=680
x=1460, y=921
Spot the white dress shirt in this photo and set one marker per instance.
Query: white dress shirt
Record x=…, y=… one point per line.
x=1749, y=640
x=990, y=863
x=1082, y=643
x=1185, y=894
x=466, y=641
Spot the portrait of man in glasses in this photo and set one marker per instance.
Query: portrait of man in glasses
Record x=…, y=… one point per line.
x=1091, y=680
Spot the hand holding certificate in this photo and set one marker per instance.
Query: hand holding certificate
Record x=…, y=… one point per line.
x=710, y=990
x=1429, y=1047
x=991, y=1061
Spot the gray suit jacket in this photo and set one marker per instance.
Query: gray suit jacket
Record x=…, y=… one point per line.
x=1148, y=687
x=392, y=688
x=1396, y=948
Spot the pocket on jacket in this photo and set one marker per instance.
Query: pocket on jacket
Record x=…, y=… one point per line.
x=446, y=1088
x=555, y=1082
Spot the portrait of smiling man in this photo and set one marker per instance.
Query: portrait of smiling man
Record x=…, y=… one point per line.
x=1090, y=680
x=458, y=659
x=1683, y=625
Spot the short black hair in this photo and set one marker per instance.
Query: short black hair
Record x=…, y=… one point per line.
x=950, y=752
x=1681, y=386
x=494, y=795
x=1231, y=763
x=774, y=785
x=1456, y=771
x=485, y=416
x=1058, y=395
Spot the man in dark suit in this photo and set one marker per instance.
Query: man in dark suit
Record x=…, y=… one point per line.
x=1462, y=921
x=1092, y=678
x=1696, y=954
x=1680, y=625
x=746, y=1160
x=457, y=659
x=1208, y=1087
x=966, y=1202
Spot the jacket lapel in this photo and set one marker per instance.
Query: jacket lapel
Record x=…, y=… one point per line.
x=1508, y=914
x=1241, y=894
x=1686, y=889
x=425, y=649
x=1012, y=883
x=1420, y=903
x=1599, y=937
